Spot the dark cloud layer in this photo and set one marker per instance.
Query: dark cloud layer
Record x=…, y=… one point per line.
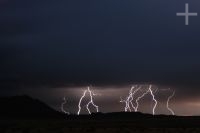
x=72, y=42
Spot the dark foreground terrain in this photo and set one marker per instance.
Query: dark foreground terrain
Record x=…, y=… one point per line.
x=64, y=126
x=54, y=126
x=36, y=117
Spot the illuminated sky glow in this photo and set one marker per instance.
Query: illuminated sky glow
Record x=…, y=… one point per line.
x=109, y=99
x=53, y=49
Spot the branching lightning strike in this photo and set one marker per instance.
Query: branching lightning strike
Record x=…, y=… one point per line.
x=136, y=93
x=129, y=100
x=126, y=108
x=140, y=97
x=90, y=102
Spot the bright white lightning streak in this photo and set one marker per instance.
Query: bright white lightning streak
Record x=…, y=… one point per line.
x=131, y=97
x=154, y=91
x=151, y=92
x=90, y=102
x=129, y=100
x=79, y=104
x=140, y=97
x=62, y=106
x=126, y=104
x=170, y=97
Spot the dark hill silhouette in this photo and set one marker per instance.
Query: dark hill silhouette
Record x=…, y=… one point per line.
x=25, y=107
x=136, y=119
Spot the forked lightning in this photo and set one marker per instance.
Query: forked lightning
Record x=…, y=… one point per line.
x=91, y=94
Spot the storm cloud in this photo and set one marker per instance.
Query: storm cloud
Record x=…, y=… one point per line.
x=100, y=42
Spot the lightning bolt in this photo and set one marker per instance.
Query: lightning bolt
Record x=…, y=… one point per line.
x=140, y=97
x=79, y=104
x=170, y=97
x=129, y=106
x=132, y=93
x=154, y=91
x=151, y=92
x=90, y=102
x=126, y=104
x=62, y=106
x=129, y=99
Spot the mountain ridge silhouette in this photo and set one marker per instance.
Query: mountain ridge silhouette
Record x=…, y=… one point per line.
x=26, y=107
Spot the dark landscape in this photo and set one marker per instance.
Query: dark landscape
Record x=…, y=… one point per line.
x=99, y=66
x=22, y=114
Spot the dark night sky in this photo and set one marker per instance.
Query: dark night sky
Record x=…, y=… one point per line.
x=48, y=45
